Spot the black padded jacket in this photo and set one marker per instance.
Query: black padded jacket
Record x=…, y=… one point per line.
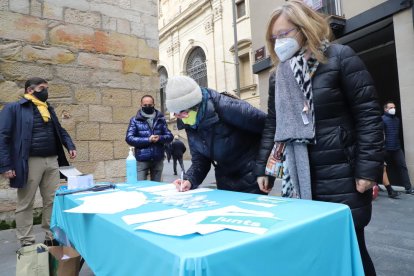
x=349, y=132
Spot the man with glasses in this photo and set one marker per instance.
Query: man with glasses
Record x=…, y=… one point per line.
x=31, y=152
x=148, y=133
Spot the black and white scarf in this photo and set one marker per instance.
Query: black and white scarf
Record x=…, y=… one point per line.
x=303, y=69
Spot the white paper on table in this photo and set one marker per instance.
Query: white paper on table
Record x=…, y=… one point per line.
x=175, y=192
x=158, y=188
x=188, y=224
x=109, y=203
x=267, y=205
x=65, y=257
x=153, y=216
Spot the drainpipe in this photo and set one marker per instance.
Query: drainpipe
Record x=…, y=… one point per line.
x=236, y=49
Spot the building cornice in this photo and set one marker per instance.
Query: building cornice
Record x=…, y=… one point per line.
x=188, y=14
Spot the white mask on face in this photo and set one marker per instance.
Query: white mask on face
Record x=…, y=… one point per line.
x=285, y=48
x=391, y=111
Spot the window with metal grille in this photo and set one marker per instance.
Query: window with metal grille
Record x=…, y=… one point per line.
x=241, y=8
x=196, y=67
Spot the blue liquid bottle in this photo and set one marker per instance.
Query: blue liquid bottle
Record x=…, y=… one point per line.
x=131, y=168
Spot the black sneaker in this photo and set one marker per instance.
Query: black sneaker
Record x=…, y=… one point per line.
x=409, y=192
x=53, y=242
x=393, y=194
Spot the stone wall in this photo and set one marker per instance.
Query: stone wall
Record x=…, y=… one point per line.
x=99, y=57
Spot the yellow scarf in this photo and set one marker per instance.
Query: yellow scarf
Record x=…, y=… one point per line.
x=41, y=106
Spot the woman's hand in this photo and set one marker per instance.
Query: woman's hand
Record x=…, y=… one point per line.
x=263, y=182
x=182, y=185
x=363, y=185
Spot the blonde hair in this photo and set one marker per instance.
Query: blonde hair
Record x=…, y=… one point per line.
x=313, y=26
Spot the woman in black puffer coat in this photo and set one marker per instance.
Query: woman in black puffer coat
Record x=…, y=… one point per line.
x=221, y=130
x=346, y=152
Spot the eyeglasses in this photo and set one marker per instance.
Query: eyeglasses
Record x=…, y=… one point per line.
x=147, y=105
x=283, y=35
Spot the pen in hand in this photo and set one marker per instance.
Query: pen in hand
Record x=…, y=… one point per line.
x=182, y=181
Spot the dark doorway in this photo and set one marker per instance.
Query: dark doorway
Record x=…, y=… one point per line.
x=375, y=45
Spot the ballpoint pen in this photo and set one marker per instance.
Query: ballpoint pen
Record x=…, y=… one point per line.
x=182, y=180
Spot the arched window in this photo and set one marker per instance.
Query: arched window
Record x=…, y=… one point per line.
x=162, y=72
x=196, y=67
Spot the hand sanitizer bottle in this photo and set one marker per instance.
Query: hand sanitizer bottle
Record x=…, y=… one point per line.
x=131, y=168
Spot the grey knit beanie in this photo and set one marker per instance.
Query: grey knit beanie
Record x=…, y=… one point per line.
x=182, y=93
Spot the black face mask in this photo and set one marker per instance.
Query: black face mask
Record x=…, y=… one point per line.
x=148, y=109
x=42, y=95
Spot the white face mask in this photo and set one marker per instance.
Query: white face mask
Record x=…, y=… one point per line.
x=285, y=48
x=391, y=111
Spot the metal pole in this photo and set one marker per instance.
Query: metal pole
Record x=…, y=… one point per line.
x=236, y=49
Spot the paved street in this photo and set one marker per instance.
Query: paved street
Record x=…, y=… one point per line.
x=390, y=235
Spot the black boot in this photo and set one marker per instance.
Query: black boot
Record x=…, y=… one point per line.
x=53, y=242
x=391, y=192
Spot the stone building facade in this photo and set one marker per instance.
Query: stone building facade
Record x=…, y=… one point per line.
x=196, y=39
x=99, y=57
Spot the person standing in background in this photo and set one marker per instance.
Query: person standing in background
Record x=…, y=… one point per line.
x=394, y=156
x=177, y=151
x=31, y=152
x=148, y=133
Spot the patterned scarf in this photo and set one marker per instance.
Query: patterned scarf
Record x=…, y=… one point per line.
x=41, y=106
x=303, y=70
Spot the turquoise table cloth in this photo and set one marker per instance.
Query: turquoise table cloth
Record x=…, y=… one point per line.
x=313, y=238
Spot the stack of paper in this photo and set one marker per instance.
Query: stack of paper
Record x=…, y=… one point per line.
x=109, y=203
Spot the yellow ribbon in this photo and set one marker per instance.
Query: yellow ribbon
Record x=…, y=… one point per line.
x=41, y=106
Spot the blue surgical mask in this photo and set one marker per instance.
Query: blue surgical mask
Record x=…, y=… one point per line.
x=286, y=47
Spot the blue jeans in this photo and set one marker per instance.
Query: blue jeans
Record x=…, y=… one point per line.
x=154, y=168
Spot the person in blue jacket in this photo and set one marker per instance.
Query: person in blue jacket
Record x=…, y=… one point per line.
x=148, y=133
x=394, y=156
x=31, y=152
x=221, y=130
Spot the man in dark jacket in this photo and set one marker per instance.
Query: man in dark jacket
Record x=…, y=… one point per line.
x=394, y=155
x=177, y=151
x=31, y=152
x=221, y=130
x=148, y=133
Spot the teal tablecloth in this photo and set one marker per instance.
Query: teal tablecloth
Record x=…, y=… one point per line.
x=314, y=238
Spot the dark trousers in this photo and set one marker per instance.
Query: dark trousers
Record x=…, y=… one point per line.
x=153, y=168
x=369, y=268
x=180, y=160
x=397, y=168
